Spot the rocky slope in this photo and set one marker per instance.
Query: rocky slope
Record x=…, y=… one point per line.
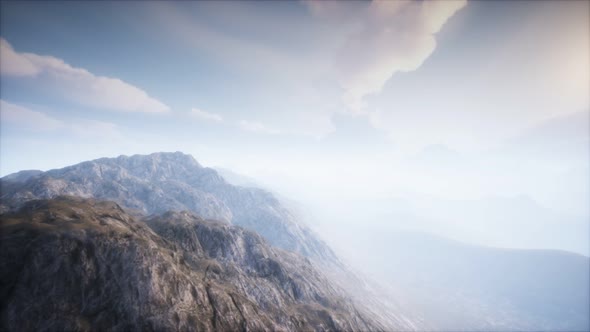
x=167, y=181
x=80, y=264
x=22, y=176
x=153, y=184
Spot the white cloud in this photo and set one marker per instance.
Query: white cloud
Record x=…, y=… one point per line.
x=257, y=127
x=16, y=116
x=394, y=36
x=200, y=114
x=12, y=114
x=14, y=64
x=77, y=84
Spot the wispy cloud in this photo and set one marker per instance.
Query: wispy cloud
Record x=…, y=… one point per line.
x=203, y=115
x=12, y=114
x=77, y=84
x=298, y=75
x=17, y=116
x=230, y=48
x=257, y=127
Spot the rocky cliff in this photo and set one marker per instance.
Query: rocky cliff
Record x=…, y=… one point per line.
x=160, y=182
x=81, y=264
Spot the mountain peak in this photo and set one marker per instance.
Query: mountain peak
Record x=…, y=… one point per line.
x=162, y=158
x=171, y=181
x=159, y=166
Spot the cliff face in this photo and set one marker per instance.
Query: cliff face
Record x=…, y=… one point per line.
x=161, y=182
x=81, y=264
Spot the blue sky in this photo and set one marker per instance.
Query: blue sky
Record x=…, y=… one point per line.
x=270, y=66
x=290, y=91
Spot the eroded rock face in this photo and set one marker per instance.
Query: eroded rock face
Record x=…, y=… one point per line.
x=80, y=264
x=162, y=182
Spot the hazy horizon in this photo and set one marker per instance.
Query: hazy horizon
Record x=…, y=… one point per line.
x=469, y=120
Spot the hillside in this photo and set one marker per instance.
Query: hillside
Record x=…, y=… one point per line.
x=81, y=264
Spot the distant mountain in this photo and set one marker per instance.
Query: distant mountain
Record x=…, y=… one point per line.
x=160, y=182
x=517, y=221
x=508, y=221
x=80, y=264
x=466, y=287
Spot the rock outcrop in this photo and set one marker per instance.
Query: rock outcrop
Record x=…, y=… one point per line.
x=81, y=264
x=161, y=182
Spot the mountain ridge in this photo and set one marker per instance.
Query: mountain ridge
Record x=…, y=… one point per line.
x=71, y=263
x=163, y=181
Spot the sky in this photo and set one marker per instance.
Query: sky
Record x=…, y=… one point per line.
x=429, y=102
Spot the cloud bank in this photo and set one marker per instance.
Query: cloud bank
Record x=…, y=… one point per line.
x=393, y=36
x=77, y=84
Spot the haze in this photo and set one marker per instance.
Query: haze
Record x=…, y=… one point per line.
x=469, y=120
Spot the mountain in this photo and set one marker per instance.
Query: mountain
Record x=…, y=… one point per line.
x=237, y=179
x=511, y=221
x=160, y=182
x=157, y=183
x=180, y=248
x=79, y=264
x=459, y=286
x=22, y=176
